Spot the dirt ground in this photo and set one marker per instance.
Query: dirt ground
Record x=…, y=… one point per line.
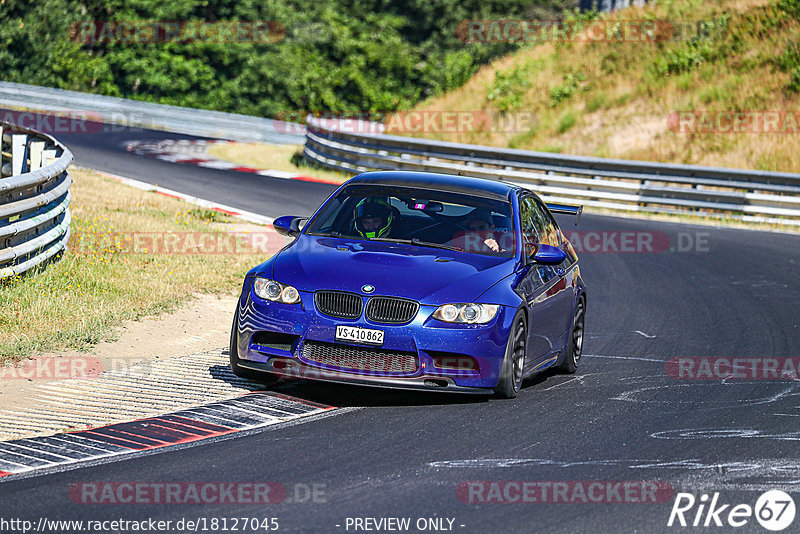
x=201, y=325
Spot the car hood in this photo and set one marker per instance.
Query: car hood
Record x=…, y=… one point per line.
x=428, y=275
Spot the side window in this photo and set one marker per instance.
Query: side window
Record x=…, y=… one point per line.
x=531, y=224
x=550, y=233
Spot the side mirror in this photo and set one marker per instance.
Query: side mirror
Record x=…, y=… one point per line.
x=288, y=225
x=548, y=255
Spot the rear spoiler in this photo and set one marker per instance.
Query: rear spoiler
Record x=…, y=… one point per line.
x=566, y=209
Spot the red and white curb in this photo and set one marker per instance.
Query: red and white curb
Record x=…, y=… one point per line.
x=121, y=411
x=194, y=152
x=248, y=412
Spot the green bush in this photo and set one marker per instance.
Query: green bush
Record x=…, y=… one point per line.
x=508, y=87
x=792, y=7
x=790, y=59
x=794, y=82
x=706, y=45
x=567, y=121
x=572, y=84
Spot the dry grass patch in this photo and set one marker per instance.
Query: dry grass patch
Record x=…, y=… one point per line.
x=273, y=157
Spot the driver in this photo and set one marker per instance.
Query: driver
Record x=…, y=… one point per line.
x=373, y=217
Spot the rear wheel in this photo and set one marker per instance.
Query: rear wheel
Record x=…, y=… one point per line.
x=241, y=372
x=572, y=356
x=514, y=361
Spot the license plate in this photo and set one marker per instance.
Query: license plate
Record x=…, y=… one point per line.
x=359, y=335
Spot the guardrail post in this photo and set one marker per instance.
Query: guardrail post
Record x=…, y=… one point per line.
x=5, y=169
x=48, y=157
x=19, y=154
x=36, y=148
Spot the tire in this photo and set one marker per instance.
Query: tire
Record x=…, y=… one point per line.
x=574, y=348
x=241, y=372
x=514, y=361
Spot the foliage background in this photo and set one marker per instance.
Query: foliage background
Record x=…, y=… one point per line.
x=337, y=55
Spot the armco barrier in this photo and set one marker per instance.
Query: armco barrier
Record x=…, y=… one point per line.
x=627, y=185
x=34, y=199
x=135, y=113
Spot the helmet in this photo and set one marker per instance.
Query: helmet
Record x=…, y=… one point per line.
x=369, y=208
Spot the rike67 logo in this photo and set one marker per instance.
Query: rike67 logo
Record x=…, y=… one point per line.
x=774, y=510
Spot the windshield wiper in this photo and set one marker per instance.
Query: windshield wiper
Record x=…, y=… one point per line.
x=415, y=241
x=436, y=245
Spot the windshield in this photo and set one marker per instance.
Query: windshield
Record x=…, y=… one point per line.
x=418, y=216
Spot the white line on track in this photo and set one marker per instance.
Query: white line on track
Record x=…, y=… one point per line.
x=246, y=215
x=624, y=358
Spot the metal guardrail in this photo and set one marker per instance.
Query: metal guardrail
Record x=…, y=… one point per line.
x=135, y=113
x=627, y=185
x=34, y=199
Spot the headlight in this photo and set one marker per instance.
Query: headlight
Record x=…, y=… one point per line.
x=466, y=313
x=276, y=292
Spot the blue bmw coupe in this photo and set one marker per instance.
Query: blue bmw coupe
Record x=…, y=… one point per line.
x=416, y=281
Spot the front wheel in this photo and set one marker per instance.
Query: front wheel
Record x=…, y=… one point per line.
x=572, y=356
x=514, y=361
x=241, y=372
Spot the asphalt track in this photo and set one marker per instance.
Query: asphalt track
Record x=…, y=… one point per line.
x=102, y=147
x=621, y=418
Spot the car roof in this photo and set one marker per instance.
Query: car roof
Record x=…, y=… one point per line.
x=440, y=182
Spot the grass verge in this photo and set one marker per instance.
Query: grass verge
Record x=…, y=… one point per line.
x=273, y=157
x=100, y=282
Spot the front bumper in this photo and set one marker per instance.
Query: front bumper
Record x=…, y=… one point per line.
x=430, y=341
x=298, y=369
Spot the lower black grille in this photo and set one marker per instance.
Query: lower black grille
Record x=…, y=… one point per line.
x=391, y=310
x=377, y=361
x=274, y=340
x=338, y=304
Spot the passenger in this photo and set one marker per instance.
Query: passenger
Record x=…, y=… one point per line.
x=481, y=234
